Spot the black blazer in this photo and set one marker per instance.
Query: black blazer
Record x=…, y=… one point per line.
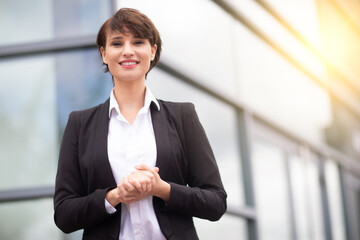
x=184, y=157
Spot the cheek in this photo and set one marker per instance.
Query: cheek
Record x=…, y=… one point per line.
x=147, y=58
x=109, y=56
x=112, y=63
x=149, y=54
x=147, y=63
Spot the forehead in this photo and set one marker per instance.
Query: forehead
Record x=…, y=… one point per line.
x=122, y=35
x=115, y=34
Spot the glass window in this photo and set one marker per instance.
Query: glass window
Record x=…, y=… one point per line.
x=352, y=205
x=25, y=21
x=264, y=23
x=79, y=17
x=36, y=96
x=332, y=180
x=272, y=86
x=28, y=140
x=298, y=186
x=74, y=235
x=28, y=220
x=340, y=39
x=271, y=191
x=343, y=133
x=219, y=121
x=197, y=38
x=303, y=16
x=228, y=227
x=315, y=214
x=80, y=82
x=304, y=177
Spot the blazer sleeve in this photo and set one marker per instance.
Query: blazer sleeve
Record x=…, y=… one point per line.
x=74, y=208
x=204, y=196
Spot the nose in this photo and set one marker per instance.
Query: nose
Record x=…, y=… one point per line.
x=128, y=50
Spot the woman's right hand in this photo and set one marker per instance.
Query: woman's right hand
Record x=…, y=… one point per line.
x=132, y=188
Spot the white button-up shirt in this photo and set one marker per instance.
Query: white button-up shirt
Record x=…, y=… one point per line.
x=128, y=146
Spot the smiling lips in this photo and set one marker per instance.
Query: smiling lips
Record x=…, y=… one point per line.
x=128, y=63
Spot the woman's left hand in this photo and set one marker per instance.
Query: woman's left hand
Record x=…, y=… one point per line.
x=160, y=188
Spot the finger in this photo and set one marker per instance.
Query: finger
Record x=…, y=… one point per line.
x=149, y=187
x=147, y=174
x=128, y=200
x=143, y=166
x=138, y=180
x=153, y=170
x=131, y=199
x=150, y=177
x=148, y=170
x=123, y=194
x=130, y=185
x=148, y=182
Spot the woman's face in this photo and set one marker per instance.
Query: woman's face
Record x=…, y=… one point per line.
x=128, y=58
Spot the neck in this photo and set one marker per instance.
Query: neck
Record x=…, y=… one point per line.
x=130, y=95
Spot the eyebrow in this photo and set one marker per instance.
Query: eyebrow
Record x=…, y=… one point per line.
x=116, y=38
x=120, y=38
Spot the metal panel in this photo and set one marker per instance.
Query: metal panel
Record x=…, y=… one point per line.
x=245, y=134
x=26, y=194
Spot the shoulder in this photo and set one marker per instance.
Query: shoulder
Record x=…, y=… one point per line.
x=177, y=107
x=89, y=113
x=179, y=112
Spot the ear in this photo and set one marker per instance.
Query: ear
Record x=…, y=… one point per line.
x=153, y=51
x=103, y=54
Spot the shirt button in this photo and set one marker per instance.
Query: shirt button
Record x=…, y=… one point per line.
x=137, y=230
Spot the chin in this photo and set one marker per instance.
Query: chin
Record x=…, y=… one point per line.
x=130, y=78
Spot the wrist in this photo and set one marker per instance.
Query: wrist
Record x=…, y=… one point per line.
x=164, y=191
x=112, y=197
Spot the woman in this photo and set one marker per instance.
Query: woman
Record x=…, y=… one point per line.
x=135, y=167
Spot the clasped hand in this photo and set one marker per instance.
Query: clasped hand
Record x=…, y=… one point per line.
x=143, y=182
x=139, y=184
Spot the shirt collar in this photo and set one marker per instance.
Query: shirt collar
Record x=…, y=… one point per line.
x=149, y=98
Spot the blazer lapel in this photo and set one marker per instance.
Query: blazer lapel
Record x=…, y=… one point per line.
x=100, y=151
x=161, y=131
x=162, y=139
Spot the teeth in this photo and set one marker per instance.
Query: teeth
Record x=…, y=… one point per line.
x=128, y=63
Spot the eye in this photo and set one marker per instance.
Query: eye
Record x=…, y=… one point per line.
x=116, y=43
x=139, y=42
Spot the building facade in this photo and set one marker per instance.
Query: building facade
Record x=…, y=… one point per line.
x=275, y=84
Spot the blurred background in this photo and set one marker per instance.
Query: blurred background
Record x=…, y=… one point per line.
x=275, y=83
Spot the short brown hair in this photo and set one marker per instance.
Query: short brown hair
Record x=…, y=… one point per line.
x=127, y=20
